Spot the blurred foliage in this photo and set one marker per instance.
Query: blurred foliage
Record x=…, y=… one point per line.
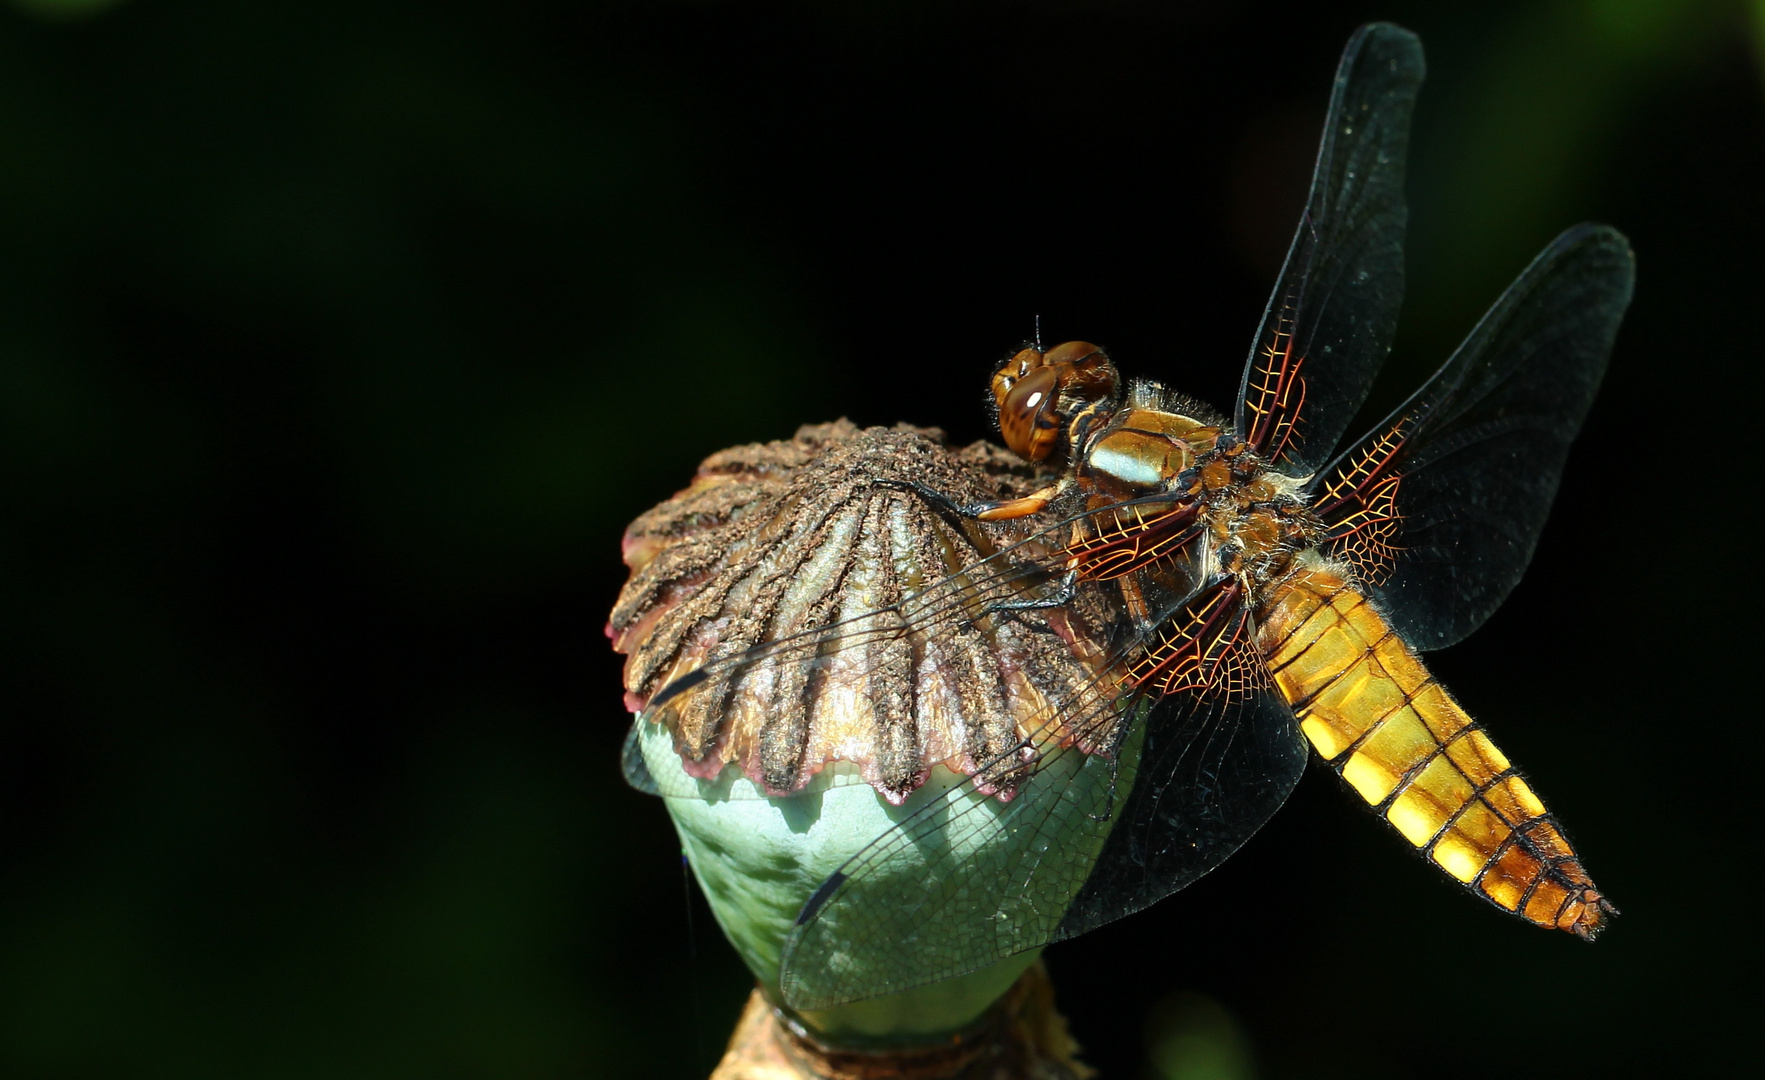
x=1190, y=1037
x=57, y=10
x=338, y=342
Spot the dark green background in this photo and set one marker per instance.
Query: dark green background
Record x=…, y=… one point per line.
x=339, y=341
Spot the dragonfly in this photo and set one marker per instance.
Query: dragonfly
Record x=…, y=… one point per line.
x=1255, y=589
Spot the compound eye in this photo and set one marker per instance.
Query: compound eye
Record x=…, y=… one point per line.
x=1028, y=419
x=1025, y=361
x=1021, y=363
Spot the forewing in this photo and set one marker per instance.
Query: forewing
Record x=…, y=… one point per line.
x=953, y=646
x=1440, y=507
x=1331, y=316
x=631, y=762
x=782, y=682
x=966, y=882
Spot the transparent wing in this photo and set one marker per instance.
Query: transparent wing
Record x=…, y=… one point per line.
x=1331, y=316
x=967, y=881
x=988, y=644
x=1440, y=507
x=1214, y=772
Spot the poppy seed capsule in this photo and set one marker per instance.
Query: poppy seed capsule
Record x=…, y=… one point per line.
x=790, y=538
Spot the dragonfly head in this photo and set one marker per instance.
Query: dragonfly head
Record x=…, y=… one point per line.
x=1043, y=399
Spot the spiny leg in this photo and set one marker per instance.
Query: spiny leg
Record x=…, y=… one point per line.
x=996, y=510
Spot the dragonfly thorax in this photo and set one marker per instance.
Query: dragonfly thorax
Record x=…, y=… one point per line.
x=1147, y=445
x=1246, y=518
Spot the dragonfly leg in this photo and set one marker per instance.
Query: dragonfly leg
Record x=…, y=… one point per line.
x=999, y=510
x=1069, y=587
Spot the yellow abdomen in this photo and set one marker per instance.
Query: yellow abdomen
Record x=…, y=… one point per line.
x=1375, y=714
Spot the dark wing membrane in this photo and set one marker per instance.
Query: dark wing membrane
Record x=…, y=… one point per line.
x=875, y=662
x=966, y=882
x=1211, y=773
x=1331, y=316
x=631, y=762
x=1441, y=506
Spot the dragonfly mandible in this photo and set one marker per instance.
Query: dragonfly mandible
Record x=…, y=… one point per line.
x=1248, y=589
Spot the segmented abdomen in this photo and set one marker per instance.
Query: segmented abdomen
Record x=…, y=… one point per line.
x=1398, y=738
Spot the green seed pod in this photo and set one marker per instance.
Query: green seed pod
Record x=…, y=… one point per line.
x=774, y=784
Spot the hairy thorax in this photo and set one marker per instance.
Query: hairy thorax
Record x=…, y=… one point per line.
x=1161, y=444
